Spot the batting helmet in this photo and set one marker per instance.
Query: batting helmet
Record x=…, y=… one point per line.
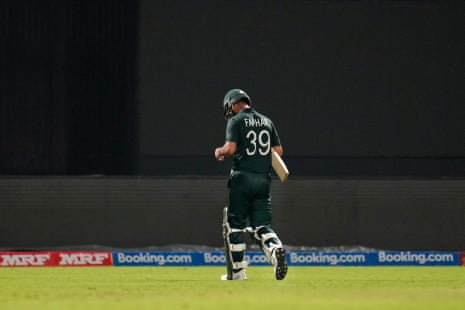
x=233, y=96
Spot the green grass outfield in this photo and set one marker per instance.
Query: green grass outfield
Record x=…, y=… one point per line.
x=200, y=288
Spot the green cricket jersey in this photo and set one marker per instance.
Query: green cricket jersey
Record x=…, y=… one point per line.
x=255, y=135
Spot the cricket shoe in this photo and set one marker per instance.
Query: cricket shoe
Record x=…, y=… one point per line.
x=240, y=275
x=279, y=262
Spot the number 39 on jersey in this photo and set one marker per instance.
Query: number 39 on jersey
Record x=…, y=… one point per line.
x=259, y=143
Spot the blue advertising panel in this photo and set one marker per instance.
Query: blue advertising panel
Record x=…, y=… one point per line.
x=157, y=259
x=417, y=258
x=217, y=258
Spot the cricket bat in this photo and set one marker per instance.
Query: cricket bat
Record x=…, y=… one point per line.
x=279, y=166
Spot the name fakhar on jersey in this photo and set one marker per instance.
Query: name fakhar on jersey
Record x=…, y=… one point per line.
x=256, y=122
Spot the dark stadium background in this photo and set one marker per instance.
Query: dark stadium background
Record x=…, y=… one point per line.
x=110, y=111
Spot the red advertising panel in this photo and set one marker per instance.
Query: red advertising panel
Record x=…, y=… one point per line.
x=462, y=258
x=41, y=259
x=25, y=259
x=83, y=259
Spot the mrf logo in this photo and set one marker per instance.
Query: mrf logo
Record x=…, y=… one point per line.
x=30, y=259
x=24, y=259
x=84, y=259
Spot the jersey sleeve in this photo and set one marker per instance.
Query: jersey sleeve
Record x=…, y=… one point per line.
x=275, y=141
x=232, y=133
